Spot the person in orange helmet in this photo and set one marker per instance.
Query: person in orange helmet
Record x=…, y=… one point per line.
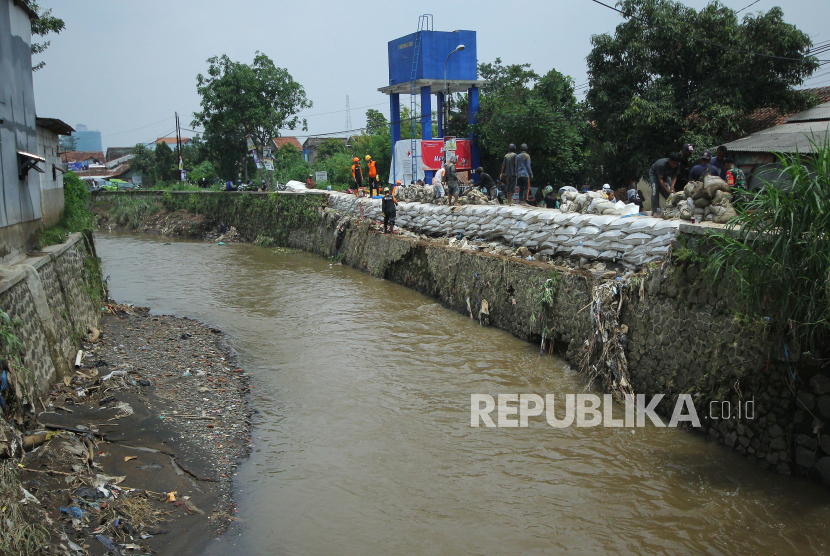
x=373, y=175
x=357, y=176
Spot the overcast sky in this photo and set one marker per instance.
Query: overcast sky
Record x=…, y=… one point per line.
x=124, y=67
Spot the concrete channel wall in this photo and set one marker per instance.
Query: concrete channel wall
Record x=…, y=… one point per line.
x=48, y=297
x=684, y=334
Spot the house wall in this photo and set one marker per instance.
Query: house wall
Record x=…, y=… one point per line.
x=20, y=205
x=51, y=182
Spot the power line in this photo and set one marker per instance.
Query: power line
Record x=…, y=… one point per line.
x=136, y=129
x=710, y=42
x=339, y=111
x=742, y=9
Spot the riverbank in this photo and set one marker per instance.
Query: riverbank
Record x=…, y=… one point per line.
x=141, y=442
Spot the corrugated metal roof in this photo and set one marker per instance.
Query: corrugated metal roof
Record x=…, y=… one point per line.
x=820, y=112
x=794, y=136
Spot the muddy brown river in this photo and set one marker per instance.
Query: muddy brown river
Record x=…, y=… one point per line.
x=363, y=444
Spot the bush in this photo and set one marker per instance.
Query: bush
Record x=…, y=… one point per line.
x=76, y=215
x=777, y=249
x=130, y=211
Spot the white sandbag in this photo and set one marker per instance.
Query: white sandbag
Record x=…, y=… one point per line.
x=583, y=251
x=610, y=235
x=590, y=231
x=658, y=241
x=636, y=239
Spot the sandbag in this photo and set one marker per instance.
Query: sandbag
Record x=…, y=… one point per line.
x=712, y=184
x=701, y=202
x=694, y=190
x=724, y=218
x=611, y=212
x=675, y=198
x=722, y=198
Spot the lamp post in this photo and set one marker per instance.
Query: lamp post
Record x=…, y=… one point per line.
x=458, y=48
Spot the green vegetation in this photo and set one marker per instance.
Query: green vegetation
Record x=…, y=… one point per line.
x=76, y=215
x=671, y=75
x=547, y=117
x=239, y=100
x=547, y=290
x=272, y=216
x=44, y=24
x=776, y=251
x=131, y=210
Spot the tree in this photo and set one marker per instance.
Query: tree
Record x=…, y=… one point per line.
x=144, y=162
x=68, y=143
x=45, y=23
x=330, y=147
x=375, y=122
x=166, y=165
x=239, y=99
x=672, y=75
x=546, y=116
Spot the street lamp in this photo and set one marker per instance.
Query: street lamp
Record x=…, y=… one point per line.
x=458, y=48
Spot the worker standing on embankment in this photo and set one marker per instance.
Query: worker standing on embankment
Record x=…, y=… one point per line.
x=373, y=176
x=357, y=176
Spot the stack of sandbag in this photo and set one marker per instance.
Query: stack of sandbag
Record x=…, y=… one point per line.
x=475, y=197
x=593, y=202
x=707, y=200
x=416, y=194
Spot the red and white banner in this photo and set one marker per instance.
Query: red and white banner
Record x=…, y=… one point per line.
x=432, y=151
x=463, y=154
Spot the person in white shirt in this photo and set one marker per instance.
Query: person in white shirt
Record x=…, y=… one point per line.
x=438, y=183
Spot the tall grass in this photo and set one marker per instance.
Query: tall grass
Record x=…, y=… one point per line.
x=777, y=249
x=76, y=215
x=131, y=211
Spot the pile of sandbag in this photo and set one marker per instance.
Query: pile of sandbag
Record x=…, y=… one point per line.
x=416, y=194
x=475, y=197
x=709, y=200
x=594, y=202
x=633, y=239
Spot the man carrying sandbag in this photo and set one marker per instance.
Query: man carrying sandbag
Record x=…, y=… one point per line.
x=663, y=175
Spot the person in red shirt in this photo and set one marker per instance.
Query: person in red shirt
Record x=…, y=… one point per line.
x=309, y=183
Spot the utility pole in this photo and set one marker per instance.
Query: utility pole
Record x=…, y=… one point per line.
x=348, y=115
x=179, y=147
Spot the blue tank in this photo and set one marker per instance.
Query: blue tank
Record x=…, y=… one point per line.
x=435, y=46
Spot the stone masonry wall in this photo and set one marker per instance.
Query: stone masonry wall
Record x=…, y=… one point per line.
x=49, y=293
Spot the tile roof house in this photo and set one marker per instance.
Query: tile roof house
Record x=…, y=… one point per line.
x=172, y=140
x=756, y=154
x=768, y=117
x=280, y=141
x=93, y=157
x=118, y=152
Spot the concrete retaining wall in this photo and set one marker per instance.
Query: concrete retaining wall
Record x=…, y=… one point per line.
x=50, y=295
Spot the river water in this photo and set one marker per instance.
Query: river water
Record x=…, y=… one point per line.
x=363, y=444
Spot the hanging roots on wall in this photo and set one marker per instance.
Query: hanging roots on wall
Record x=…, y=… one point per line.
x=611, y=365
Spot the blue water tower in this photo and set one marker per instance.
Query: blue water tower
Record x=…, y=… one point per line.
x=430, y=63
